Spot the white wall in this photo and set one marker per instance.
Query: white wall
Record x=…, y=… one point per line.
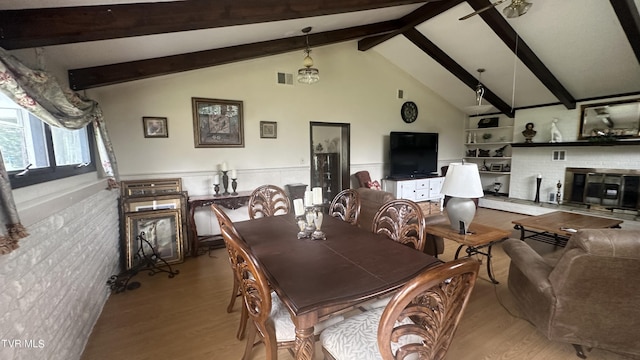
x=54, y=284
x=355, y=87
x=528, y=162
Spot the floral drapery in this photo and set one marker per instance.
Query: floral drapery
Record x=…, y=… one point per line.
x=41, y=94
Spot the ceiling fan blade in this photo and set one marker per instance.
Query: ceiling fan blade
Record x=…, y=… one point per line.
x=483, y=9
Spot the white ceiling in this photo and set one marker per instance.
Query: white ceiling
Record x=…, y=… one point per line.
x=580, y=41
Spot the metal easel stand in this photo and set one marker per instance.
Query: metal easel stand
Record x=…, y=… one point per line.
x=143, y=261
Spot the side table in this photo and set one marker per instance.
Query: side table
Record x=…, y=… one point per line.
x=231, y=202
x=479, y=237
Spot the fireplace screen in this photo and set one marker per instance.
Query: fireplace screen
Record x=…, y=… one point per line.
x=607, y=187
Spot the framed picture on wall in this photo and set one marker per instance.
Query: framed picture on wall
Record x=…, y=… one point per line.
x=162, y=230
x=155, y=127
x=268, y=129
x=217, y=123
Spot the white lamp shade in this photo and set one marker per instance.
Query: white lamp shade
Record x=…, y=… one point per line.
x=463, y=181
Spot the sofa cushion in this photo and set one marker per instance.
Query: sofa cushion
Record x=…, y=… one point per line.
x=374, y=185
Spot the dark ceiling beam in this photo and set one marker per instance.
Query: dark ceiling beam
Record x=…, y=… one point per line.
x=629, y=18
x=506, y=33
x=410, y=21
x=54, y=26
x=448, y=63
x=90, y=77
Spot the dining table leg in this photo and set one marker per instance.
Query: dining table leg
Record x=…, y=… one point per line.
x=305, y=344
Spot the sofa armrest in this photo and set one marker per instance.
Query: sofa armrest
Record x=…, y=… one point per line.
x=533, y=266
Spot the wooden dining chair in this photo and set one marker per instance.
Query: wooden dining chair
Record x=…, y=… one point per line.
x=268, y=200
x=402, y=221
x=224, y=221
x=270, y=319
x=346, y=206
x=418, y=323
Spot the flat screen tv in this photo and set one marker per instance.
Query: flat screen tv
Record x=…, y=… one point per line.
x=413, y=154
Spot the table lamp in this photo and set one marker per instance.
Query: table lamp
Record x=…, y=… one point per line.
x=461, y=184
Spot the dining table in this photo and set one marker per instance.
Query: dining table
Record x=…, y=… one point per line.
x=317, y=278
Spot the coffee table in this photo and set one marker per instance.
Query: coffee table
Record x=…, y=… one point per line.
x=557, y=227
x=478, y=238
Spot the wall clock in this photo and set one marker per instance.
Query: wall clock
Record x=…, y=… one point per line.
x=409, y=111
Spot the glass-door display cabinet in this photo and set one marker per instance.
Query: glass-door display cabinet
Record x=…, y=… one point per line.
x=329, y=145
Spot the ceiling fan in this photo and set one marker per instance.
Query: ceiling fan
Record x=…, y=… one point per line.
x=515, y=9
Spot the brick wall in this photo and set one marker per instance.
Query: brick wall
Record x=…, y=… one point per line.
x=54, y=285
x=527, y=163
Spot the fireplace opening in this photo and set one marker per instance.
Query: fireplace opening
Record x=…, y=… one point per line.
x=609, y=188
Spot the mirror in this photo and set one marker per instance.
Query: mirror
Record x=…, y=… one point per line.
x=619, y=119
x=329, y=158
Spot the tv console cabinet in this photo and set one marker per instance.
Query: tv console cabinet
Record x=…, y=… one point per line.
x=426, y=189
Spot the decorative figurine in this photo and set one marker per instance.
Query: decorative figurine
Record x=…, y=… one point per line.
x=496, y=188
x=500, y=151
x=484, y=166
x=556, y=136
x=529, y=133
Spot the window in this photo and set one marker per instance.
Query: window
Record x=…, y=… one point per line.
x=34, y=152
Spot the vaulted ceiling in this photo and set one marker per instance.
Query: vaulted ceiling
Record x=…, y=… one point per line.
x=558, y=52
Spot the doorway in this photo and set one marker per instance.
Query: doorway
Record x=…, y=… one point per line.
x=330, y=154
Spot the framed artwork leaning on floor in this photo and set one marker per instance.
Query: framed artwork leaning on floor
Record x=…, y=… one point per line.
x=161, y=228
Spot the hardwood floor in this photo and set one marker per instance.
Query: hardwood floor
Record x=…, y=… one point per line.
x=185, y=317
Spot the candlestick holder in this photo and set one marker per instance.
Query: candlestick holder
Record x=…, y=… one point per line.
x=234, y=185
x=538, y=182
x=225, y=182
x=309, y=216
x=216, y=189
x=318, y=234
x=302, y=225
x=558, y=195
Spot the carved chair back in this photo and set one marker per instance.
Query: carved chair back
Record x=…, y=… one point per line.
x=256, y=293
x=429, y=307
x=268, y=200
x=402, y=221
x=346, y=206
x=225, y=222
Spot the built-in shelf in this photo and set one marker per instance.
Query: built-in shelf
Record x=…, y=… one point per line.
x=489, y=157
x=496, y=172
x=488, y=143
x=491, y=128
x=578, y=143
x=497, y=142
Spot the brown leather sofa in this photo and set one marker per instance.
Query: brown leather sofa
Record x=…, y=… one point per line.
x=370, y=202
x=588, y=296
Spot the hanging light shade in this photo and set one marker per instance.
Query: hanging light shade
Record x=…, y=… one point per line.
x=308, y=74
x=517, y=8
x=478, y=108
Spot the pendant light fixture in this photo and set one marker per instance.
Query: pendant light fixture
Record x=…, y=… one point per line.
x=308, y=74
x=478, y=108
x=516, y=8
